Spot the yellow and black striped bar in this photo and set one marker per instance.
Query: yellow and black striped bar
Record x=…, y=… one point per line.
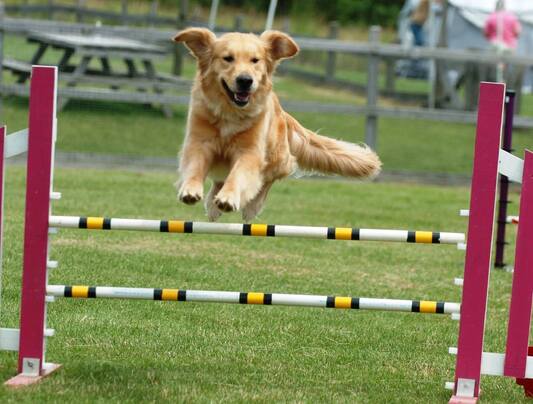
x=175, y=226
x=258, y=230
x=255, y=298
x=170, y=294
x=417, y=306
x=83, y=292
x=424, y=237
x=95, y=223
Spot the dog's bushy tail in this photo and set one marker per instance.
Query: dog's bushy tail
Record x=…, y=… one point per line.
x=329, y=156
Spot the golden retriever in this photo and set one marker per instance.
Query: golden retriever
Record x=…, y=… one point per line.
x=238, y=134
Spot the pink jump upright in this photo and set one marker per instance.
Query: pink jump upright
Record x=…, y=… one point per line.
x=479, y=242
x=3, y=133
x=41, y=138
x=522, y=292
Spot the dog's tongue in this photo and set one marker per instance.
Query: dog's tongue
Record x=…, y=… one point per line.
x=242, y=97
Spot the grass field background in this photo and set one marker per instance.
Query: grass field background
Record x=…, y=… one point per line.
x=112, y=128
x=137, y=351
x=133, y=351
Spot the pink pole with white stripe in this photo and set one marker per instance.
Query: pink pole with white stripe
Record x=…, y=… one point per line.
x=479, y=243
x=3, y=133
x=41, y=129
x=522, y=292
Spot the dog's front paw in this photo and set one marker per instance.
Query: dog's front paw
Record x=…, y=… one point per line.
x=226, y=203
x=190, y=194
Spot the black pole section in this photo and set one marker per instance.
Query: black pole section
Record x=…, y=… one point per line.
x=504, y=181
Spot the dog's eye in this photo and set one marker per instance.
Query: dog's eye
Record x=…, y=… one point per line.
x=229, y=59
x=255, y=60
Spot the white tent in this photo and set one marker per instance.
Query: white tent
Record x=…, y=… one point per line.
x=517, y=6
x=465, y=23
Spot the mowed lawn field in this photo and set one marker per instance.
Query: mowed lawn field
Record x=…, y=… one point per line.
x=145, y=351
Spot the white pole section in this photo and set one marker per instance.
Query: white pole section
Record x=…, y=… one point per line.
x=213, y=15
x=432, y=42
x=271, y=14
x=274, y=299
x=512, y=219
x=258, y=230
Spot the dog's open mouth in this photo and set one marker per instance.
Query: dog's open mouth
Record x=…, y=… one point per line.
x=239, y=98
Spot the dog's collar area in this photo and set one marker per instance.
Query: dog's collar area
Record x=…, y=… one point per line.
x=240, y=99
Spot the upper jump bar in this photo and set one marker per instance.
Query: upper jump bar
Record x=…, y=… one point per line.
x=264, y=230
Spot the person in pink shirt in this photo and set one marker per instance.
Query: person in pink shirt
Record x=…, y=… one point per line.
x=502, y=28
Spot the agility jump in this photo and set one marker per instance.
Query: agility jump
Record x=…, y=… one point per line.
x=257, y=230
x=472, y=361
x=269, y=299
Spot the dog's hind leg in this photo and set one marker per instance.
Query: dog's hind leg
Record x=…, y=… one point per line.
x=255, y=206
x=213, y=213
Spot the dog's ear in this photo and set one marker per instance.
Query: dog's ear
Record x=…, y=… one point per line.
x=279, y=45
x=198, y=40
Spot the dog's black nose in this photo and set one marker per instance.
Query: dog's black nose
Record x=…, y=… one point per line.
x=244, y=82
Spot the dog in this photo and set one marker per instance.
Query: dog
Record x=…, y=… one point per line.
x=237, y=132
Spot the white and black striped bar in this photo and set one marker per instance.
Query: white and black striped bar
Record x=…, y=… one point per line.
x=274, y=299
x=265, y=230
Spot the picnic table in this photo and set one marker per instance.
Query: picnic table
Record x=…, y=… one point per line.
x=75, y=67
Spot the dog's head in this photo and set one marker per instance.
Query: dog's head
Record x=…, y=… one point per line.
x=239, y=65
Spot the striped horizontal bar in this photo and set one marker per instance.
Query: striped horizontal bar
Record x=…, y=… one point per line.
x=274, y=299
x=261, y=230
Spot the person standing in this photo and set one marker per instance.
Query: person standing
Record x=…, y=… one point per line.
x=418, y=19
x=502, y=29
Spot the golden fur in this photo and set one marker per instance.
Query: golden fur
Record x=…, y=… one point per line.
x=244, y=140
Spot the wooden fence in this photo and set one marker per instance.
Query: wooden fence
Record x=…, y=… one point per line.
x=375, y=52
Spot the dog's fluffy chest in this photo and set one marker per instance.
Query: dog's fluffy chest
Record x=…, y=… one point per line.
x=230, y=127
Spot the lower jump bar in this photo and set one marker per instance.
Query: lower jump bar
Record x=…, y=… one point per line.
x=260, y=230
x=275, y=299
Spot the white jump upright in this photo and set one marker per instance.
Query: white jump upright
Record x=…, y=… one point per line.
x=10, y=146
x=472, y=361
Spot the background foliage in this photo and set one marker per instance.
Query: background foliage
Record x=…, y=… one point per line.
x=383, y=12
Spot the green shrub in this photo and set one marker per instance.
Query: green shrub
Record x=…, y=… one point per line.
x=364, y=12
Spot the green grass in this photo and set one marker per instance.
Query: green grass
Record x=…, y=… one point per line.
x=160, y=351
x=354, y=70
x=409, y=145
x=114, y=128
x=132, y=351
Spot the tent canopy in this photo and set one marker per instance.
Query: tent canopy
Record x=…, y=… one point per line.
x=489, y=5
x=465, y=23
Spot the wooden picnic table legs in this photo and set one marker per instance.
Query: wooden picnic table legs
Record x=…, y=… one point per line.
x=78, y=72
x=63, y=62
x=132, y=70
x=133, y=73
x=151, y=74
x=23, y=76
x=106, y=66
x=107, y=70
